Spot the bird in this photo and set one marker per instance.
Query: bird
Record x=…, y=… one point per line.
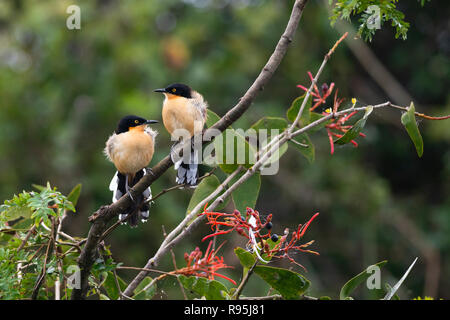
x=130, y=148
x=185, y=110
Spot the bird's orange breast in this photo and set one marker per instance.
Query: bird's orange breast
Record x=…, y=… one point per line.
x=133, y=151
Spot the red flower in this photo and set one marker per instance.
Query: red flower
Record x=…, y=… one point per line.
x=207, y=266
x=258, y=233
x=283, y=248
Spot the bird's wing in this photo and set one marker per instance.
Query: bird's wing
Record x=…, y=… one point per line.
x=200, y=104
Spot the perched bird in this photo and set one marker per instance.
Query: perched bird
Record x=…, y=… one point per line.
x=184, y=109
x=131, y=149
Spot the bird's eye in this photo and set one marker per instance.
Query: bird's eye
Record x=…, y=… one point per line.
x=174, y=90
x=136, y=121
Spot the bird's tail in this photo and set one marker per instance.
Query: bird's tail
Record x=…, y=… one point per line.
x=187, y=170
x=119, y=186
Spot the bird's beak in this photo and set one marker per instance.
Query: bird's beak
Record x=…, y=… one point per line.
x=160, y=90
x=150, y=121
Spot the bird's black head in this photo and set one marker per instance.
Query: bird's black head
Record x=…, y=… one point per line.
x=177, y=89
x=131, y=121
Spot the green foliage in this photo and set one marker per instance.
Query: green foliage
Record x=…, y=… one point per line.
x=408, y=120
x=354, y=282
x=38, y=206
x=355, y=129
x=204, y=189
x=143, y=293
x=368, y=11
x=247, y=193
x=74, y=195
x=246, y=259
x=27, y=243
x=290, y=284
x=210, y=289
x=294, y=109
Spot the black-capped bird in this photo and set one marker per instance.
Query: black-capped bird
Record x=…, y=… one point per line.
x=184, y=109
x=131, y=149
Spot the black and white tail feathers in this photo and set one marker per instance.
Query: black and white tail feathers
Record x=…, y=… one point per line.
x=187, y=171
x=120, y=185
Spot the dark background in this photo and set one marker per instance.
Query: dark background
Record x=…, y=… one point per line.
x=62, y=92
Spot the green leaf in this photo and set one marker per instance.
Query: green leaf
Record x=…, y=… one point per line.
x=271, y=245
x=16, y=212
x=309, y=151
x=307, y=116
x=409, y=121
x=270, y=123
x=39, y=187
x=232, y=150
x=111, y=287
x=141, y=294
x=354, y=282
x=355, y=129
x=204, y=189
x=247, y=193
x=289, y=284
x=313, y=116
x=246, y=259
x=211, y=118
x=292, y=112
x=210, y=289
x=74, y=194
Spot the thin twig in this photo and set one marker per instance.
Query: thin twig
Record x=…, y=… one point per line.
x=174, y=261
x=244, y=281
x=179, y=186
x=271, y=297
x=47, y=256
x=24, y=241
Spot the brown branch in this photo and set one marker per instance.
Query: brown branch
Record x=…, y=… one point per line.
x=24, y=241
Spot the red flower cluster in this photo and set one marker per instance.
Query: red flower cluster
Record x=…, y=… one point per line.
x=253, y=229
x=336, y=128
x=319, y=99
x=285, y=246
x=207, y=266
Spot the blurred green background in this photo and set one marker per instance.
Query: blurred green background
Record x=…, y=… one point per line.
x=62, y=92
